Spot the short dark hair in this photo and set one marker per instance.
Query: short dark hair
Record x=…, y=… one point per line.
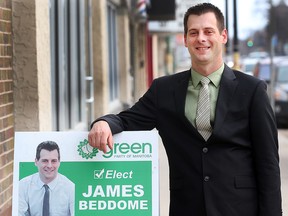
x=47, y=145
x=203, y=8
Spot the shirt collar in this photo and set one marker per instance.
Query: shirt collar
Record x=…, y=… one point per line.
x=51, y=185
x=214, y=77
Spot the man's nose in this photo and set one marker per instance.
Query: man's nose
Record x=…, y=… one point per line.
x=201, y=37
x=49, y=164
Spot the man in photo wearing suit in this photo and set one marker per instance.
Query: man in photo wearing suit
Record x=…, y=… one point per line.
x=217, y=127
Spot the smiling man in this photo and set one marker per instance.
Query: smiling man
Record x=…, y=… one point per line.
x=204, y=37
x=58, y=189
x=217, y=127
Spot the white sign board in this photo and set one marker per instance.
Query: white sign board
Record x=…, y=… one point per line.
x=122, y=182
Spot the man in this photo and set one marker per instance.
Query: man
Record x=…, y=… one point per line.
x=60, y=189
x=230, y=165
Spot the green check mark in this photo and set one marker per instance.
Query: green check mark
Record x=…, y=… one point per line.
x=100, y=174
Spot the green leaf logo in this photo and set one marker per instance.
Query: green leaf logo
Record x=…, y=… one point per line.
x=86, y=151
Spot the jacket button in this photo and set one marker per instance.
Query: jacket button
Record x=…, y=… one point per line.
x=206, y=178
x=205, y=150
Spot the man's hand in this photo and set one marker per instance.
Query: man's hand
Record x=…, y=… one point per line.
x=100, y=136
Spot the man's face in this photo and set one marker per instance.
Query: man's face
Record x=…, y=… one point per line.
x=203, y=39
x=48, y=165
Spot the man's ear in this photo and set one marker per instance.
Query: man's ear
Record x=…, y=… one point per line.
x=185, y=40
x=225, y=36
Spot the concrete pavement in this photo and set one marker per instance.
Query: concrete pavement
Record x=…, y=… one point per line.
x=283, y=151
x=164, y=174
x=164, y=181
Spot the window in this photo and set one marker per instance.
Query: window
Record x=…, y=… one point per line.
x=70, y=60
x=112, y=58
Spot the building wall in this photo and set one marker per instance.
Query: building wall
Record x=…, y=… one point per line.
x=31, y=63
x=25, y=90
x=124, y=57
x=140, y=56
x=100, y=61
x=102, y=105
x=6, y=109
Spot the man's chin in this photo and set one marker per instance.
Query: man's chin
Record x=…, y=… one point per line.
x=50, y=177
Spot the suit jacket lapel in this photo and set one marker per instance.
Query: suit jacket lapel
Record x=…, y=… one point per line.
x=180, y=99
x=228, y=85
x=180, y=92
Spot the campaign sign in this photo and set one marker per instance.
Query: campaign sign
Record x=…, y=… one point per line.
x=123, y=181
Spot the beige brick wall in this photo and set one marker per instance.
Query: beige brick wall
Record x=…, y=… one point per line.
x=140, y=57
x=31, y=64
x=6, y=109
x=100, y=60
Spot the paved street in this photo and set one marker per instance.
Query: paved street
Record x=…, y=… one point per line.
x=164, y=175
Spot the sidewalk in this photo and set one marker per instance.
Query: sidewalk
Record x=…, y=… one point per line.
x=283, y=151
x=163, y=180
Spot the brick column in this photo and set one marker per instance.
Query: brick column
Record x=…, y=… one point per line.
x=31, y=63
x=6, y=109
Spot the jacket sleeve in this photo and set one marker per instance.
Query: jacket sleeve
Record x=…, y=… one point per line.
x=265, y=151
x=141, y=116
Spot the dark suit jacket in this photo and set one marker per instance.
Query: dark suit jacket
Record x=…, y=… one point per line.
x=236, y=172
